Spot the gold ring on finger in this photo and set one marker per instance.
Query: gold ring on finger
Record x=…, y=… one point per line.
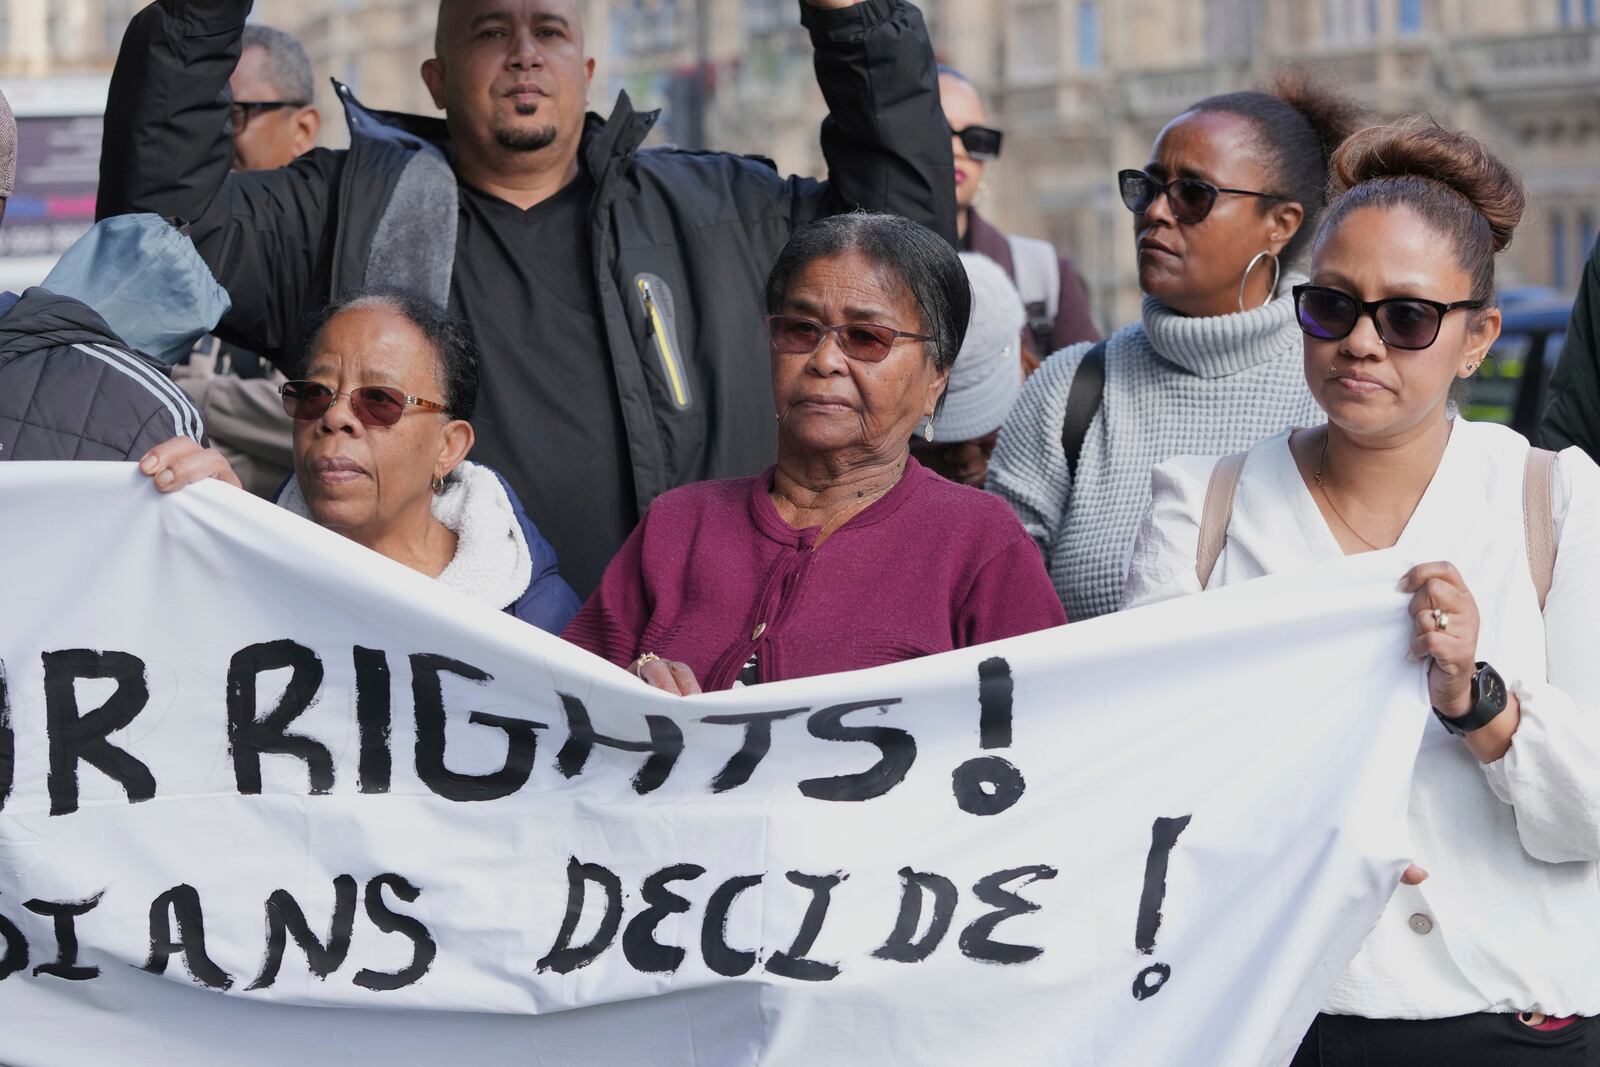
x=1441, y=620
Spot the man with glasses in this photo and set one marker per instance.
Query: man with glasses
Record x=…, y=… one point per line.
x=615, y=292
x=274, y=120
x=274, y=123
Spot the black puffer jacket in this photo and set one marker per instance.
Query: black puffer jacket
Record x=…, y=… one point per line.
x=686, y=237
x=71, y=389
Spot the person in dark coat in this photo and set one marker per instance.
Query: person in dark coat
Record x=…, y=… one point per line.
x=611, y=288
x=381, y=400
x=70, y=386
x=1572, y=414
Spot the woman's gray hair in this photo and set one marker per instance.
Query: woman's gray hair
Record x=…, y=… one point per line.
x=920, y=259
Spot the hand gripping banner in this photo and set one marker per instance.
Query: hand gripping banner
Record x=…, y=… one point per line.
x=267, y=797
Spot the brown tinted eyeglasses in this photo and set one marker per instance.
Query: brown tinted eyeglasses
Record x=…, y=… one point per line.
x=867, y=342
x=374, y=405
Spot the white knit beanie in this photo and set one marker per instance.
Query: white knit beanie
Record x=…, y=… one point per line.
x=987, y=375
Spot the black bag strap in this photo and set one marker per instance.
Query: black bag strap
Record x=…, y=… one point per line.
x=1083, y=401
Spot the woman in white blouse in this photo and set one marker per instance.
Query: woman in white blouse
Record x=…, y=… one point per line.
x=1491, y=955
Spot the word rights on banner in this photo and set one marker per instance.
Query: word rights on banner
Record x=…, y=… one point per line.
x=268, y=797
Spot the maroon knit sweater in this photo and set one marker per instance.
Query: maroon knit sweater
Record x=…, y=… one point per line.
x=713, y=575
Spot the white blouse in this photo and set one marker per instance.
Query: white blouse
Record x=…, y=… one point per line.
x=1509, y=919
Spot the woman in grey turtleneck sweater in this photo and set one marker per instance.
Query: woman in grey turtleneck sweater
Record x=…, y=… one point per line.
x=1214, y=364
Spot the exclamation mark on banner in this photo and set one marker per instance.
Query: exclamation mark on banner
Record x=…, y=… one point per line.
x=1163, y=835
x=988, y=785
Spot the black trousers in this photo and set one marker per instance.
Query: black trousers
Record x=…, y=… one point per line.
x=1464, y=1041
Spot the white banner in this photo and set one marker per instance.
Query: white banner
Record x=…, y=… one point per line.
x=269, y=798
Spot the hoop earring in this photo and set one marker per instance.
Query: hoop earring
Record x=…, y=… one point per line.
x=438, y=486
x=1276, y=271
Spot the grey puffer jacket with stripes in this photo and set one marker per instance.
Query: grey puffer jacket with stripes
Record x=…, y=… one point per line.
x=70, y=388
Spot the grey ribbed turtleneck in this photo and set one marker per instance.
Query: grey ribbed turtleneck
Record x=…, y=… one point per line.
x=1174, y=386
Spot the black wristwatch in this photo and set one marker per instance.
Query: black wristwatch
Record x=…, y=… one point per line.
x=1488, y=700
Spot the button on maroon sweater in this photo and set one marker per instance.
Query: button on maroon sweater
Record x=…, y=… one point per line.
x=713, y=575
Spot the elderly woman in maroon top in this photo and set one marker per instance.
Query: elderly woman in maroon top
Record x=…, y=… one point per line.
x=847, y=553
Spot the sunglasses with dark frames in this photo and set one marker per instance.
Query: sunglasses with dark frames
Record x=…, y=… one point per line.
x=374, y=405
x=981, y=142
x=243, y=110
x=866, y=342
x=1191, y=199
x=1405, y=322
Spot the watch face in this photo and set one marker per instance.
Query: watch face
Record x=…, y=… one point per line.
x=1491, y=690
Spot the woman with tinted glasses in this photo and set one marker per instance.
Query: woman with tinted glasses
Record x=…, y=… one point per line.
x=1221, y=215
x=386, y=385
x=1052, y=291
x=847, y=553
x=1488, y=956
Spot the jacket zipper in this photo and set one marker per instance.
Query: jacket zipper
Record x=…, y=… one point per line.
x=663, y=340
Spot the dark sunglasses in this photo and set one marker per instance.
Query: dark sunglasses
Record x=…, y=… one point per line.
x=1405, y=322
x=243, y=110
x=374, y=405
x=981, y=142
x=867, y=342
x=1191, y=199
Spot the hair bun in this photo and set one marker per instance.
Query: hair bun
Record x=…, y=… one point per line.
x=1417, y=146
x=1332, y=115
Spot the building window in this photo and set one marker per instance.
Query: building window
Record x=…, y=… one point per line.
x=1230, y=29
x=1034, y=44
x=1410, y=16
x=1088, y=34
x=1586, y=230
x=1578, y=12
x=767, y=16
x=1558, y=250
x=1349, y=21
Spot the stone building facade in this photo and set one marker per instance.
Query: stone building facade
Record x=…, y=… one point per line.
x=1080, y=86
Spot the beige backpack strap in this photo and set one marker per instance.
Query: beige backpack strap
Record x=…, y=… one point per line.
x=1538, y=519
x=1217, y=514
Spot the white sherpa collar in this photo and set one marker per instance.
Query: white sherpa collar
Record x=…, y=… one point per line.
x=492, y=563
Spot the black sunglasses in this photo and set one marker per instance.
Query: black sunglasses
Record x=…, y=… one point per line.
x=1191, y=199
x=981, y=142
x=866, y=342
x=242, y=110
x=1405, y=322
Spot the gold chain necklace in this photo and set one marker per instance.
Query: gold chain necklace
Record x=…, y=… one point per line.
x=1322, y=458
x=851, y=509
